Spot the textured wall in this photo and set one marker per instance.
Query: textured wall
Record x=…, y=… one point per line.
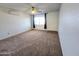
x=52, y=20
x=13, y=24
x=69, y=29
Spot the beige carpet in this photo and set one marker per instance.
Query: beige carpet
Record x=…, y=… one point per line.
x=32, y=43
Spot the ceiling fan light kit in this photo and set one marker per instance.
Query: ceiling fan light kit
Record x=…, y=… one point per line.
x=34, y=10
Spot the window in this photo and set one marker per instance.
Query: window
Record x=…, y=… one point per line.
x=39, y=19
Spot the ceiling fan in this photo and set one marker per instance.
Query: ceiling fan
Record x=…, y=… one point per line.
x=36, y=10
x=31, y=9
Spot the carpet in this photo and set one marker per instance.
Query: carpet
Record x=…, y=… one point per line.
x=32, y=43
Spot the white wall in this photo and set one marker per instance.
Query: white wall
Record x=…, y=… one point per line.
x=12, y=24
x=69, y=29
x=52, y=20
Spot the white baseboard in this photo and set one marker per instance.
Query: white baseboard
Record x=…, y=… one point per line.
x=45, y=29
x=5, y=37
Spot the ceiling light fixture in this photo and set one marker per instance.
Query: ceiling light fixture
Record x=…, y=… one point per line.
x=33, y=10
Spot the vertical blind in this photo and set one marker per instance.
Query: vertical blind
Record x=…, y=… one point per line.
x=39, y=19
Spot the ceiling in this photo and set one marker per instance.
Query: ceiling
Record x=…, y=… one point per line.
x=26, y=7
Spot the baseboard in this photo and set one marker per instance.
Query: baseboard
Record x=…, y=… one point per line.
x=45, y=30
x=25, y=31
x=14, y=34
